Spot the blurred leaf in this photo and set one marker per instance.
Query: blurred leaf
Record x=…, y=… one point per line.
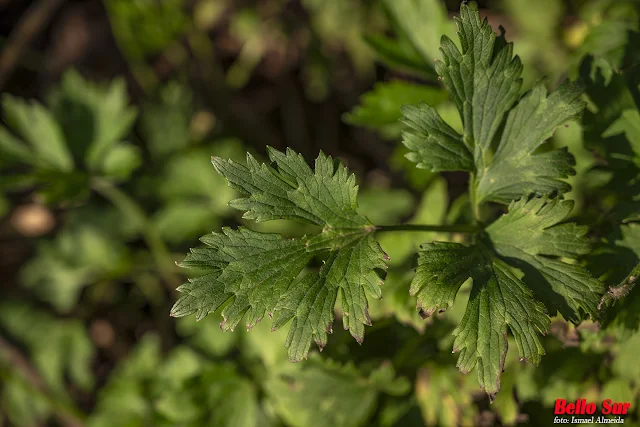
x=165, y=121
x=400, y=54
x=233, y=397
x=624, y=364
x=77, y=136
x=266, y=345
x=397, y=302
x=19, y=402
x=181, y=221
x=431, y=210
x=444, y=397
x=207, y=337
x=379, y=108
x=385, y=206
x=144, y=27
x=38, y=127
x=611, y=36
x=418, y=25
x=121, y=161
x=58, y=348
x=79, y=256
x=322, y=392
x=339, y=26
x=195, y=195
x=505, y=404
x=94, y=119
x=423, y=22
x=618, y=390
x=149, y=390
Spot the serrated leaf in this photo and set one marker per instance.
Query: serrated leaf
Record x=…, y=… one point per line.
x=529, y=235
x=516, y=169
x=498, y=300
x=309, y=306
x=434, y=145
x=483, y=79
x=255, y=272
x=252, y=269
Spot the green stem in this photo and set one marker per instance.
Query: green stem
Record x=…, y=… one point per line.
x=455, y=228
x=137, y=216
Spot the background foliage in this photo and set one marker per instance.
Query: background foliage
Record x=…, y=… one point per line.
x=111, y=111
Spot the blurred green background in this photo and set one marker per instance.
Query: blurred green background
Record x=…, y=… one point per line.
x=111, y=110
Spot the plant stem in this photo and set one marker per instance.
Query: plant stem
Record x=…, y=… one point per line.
x=621, y=290
x=475, y=207
x=455, y=228
x=136, y=214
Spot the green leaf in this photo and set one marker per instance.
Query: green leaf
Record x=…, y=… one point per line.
x=483, y=79
x=240, y=264
x=59, y=348
x=433, y=144
x=20, y=403
x=422, y=22
x=418, y=25
x=611, y=38
x=79, y=255
x=76, y=136
x=629, y=124
x=94, y=119
x=255, y=273
x=39, y=128
x=379, y=108
x=234, y=397
x=322, y=392
x=121, y=161
x=502, y=131
x=183, y=221
x=498, y=300
x=149, y=389
x=532, y=237
x=516, y=169
x=165, y=121
x=399, y=54
x=438, y=383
